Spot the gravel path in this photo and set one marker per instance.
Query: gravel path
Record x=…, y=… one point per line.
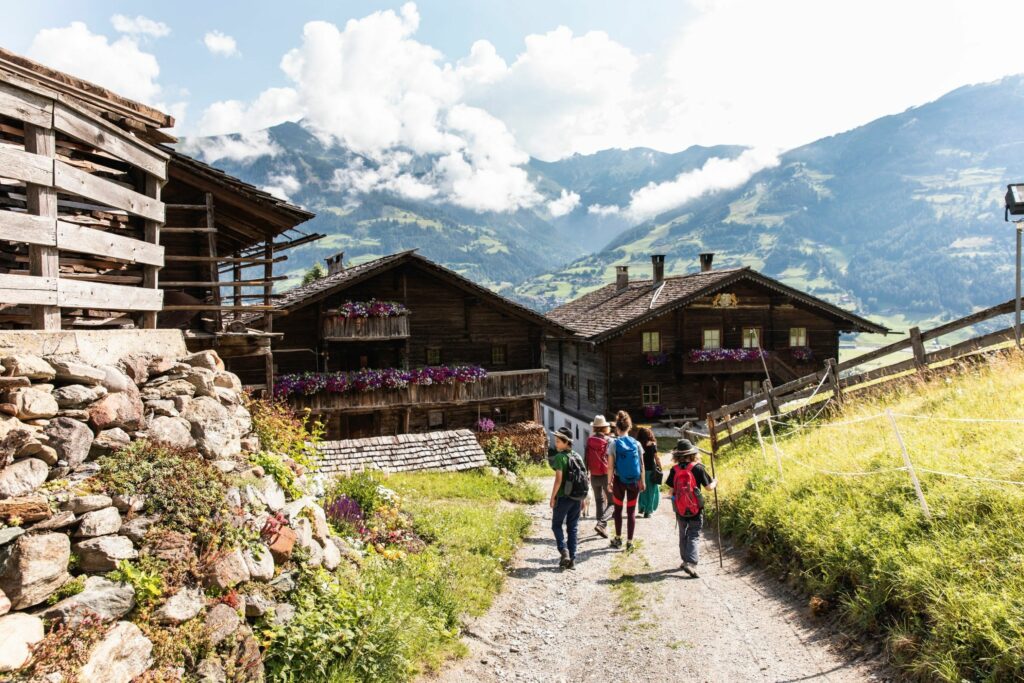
x=637, y=617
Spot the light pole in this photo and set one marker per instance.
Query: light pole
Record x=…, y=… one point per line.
x=1015, y=208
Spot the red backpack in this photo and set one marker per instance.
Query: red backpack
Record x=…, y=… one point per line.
x=685, y=492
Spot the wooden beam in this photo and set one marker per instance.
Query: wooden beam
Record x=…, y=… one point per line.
x=25, y=106
x=112, y=140
x=211, y=250
x=71, y=237
x=222, y=283
x=177, y=230
x=211, y=307
x=224, y=259
x=90, y=294
x=32, y=290
x=41, y=200
x=70, y=179
x=28, y=229
x=26, y=166
x=151, y=273
x=268, y=288
x=187, y=207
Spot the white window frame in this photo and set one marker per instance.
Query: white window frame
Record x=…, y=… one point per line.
x=704, y=337
x=756, y=337
x=651, y=342
x=803, y=333
x=650, y=394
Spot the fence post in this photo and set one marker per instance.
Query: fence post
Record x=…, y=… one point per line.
x=917, y=344
x=712, y=436
x=718, y=510
x=760, y=441
x=837, y=389
x=910, y=467
x=773, y=409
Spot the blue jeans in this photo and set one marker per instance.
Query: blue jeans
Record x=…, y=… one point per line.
x=689, y=537
x=567, y=512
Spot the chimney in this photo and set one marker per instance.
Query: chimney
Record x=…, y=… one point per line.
x=335, y=263
x=705, y=261
x=658, y=268
x=621, y=277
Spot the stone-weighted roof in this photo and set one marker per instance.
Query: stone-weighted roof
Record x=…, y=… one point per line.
x=448, y=451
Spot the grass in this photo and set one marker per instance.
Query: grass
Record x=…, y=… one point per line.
x=946, y=594
x=632, y=600
x=476, y=485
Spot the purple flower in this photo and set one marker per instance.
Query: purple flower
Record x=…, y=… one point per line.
x=309, y=383
x=655, y=359
x=345, y=510
x=371, y=309
x=654, y=411
x=711, y=355
x=485, y=424
x=802, y=353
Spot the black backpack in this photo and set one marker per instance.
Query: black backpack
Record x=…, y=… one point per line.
x=577, y=481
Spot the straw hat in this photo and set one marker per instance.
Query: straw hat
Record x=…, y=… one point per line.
x=684, y=447
x=599, y=422
x=565, y=434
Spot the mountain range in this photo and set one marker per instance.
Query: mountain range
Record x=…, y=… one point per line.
x=901, y=217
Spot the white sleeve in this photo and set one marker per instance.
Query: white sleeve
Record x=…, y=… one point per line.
x=610, y=450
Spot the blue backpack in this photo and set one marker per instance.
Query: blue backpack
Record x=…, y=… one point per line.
x=627, y=460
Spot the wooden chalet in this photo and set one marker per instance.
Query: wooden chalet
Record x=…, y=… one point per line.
x=102, y=225
x=446, y=320
x=670, y=348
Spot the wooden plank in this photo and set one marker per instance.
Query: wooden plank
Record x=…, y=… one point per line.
x=222, y=283
x=110, y=139
x=224, y=259
x=28, y=229
x=71, y=237
x=31, y=290
x=41, y=200
x=87, y=294
x=901, y=345
x=186, y=230
x=211, y=250
x=268, y=289
x=25, y=166
x=151, y=273
x=25, y=106
x=877, y=373
x=978, y=344
x=966, y=321
x=211, y=307
x=917, y=344
x=187, y=207
x=70, y=179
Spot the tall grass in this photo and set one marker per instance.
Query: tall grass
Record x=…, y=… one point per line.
x=947, y=594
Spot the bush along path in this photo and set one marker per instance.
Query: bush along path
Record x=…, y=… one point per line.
x=635, y=616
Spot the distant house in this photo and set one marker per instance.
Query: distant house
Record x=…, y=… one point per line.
x=678, y=347
x=438, y=319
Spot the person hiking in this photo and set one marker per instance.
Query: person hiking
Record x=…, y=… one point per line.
x=569, y=490
x=627, y=477
x=597, y=461
x=686, y=478
x=651, y=496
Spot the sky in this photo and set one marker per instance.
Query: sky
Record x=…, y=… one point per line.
x=482, y=86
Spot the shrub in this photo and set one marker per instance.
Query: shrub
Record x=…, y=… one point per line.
x=149, y=587
x=503, y=454
x=282, y=431
x=179, y=484
x=529, y=438
x=345, y=516
x=365, y=488
x=70, y=588
x=275, y=466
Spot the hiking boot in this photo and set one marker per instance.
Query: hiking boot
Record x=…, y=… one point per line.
x=571, y=564
x=629, y=546
x=616, y=542
x=601, y=531
x=690, y=569
x=565, y=558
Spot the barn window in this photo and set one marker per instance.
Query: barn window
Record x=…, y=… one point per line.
x=712, y=338
x=652, y=342
x=499, y=354
x=433, y=355
x=591, y=390
x=751, y=337
x=435, y=418
x=651, y=394
x=797, y=336
x=751, y=387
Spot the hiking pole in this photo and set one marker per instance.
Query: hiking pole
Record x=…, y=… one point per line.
x=718, y=509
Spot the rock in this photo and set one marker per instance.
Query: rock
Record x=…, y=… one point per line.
x=122, y=655
x=316, y=554
x=34, y=449
x=273, y=494
x=108, y=599
x=160, y=366
x=228, y=380
x=171, y=431
x=169, y=390
x=31, y=403
x=332, y=556
x=210, y=670
x=186, y=604
x=33, y=367
x=162, y=406
x=121, y=409
x=36, y=566
x=61, y=520
x=283, y=613
x=256, y=605
x=70, y=369
x=5, y=604
x=23, y=477
x=172, y=546
x=205, y=359
x=82, y=504
x=110, y=441
x=225, y=466
x=99, y=523
x=303, y=532
x=129, y=503
x=227, y=396
x=221, y=622
x=282, y=544
x=202, y=380
x=136, y=528
x=97, y=555
x=10, y=533
x=116, y=381
x=25, y=508
x=250, y=444
x=247, y=656
x=260, y=568
x=78, y=395
x=70, y=438
x=136, y=367
x=15, y=442
x=18, y=633
x=216, y=434
x=242, y=418
x=181, y=402
x=227, y=571
x=81, y=415
x=252, y=498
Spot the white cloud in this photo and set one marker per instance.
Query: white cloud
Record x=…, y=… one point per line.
x=220, y=43
x=564, y=204
x=140, y=26
x=716, y=174
x=241, y=147
x=282, y=185
x=273, y=106
x=603, y=209
x=388, y=176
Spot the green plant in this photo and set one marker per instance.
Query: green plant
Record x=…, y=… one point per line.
x=280, y=430
x=503, y=454
x=65, y=649
x=365, y=488
x=71, y=587
x=149, y=587
x=275, y=466
x=477, y=485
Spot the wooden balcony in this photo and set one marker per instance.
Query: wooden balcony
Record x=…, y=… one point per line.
x=498, y=386
x=341, y=329
x=780, y=365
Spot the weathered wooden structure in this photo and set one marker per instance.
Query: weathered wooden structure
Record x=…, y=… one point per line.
x=677, y=347
x=448, y=320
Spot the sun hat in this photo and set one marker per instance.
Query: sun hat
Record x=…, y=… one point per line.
x=565, y=434
x=684, y=447
x=599, y=422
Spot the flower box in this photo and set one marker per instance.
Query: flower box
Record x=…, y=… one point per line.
x=717, y=355
x=310, y=383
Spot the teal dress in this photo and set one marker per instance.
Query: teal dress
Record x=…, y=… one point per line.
x=651, y=495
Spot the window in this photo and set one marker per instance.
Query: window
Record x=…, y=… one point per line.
x=797, y=336
x=435, y=418
x=592, y=390
x=551, y=419
x=651, y=394
x=433, y=355
x=751, y=337
x=751, y=387
x=652, y=342
x=569, y=381
x=499, y=354
x=712, y=338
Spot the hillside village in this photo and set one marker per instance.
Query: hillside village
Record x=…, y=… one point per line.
x=210, y=473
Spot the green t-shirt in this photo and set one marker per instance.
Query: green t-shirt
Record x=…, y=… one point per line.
x=560, y=463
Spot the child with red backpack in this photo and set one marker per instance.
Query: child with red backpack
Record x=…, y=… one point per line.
x=628, y=477
x=597, y=461
x=686, y=479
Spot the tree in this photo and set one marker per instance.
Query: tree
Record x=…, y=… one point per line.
x=315, y=272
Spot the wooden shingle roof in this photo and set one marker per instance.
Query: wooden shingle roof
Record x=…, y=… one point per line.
x=447, y=451
x=609, y=311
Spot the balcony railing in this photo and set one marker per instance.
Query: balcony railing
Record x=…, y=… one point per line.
x=515, y=384
x=780, y=364
x=338, y=328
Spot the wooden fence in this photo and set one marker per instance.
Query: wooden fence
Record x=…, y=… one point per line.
x=71, y=181
x=338, y=328
x=838, y=380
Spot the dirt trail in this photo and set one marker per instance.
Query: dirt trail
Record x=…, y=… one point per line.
x=637, y=617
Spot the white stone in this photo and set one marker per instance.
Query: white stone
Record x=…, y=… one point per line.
x=262, y=568
x=102, y=554
x=114, y=380
x=33, y=404
x=205, y=359
x=216, y=435
x=108, y=599
x=273, y=494
x=99, y=523
x=110, y=440
x=229, y=570
x=303, y=532
x=332, y=556
x=36, y=566
x=186, y=604
x=123, y=654
x=78, y=395
x=33, y=367
x=71, y=439
x=82, y=504
x=18, y=633
x=171, y=431
x=202, y=380
x=137, y=527
x=74, y=370
x=22, y=477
